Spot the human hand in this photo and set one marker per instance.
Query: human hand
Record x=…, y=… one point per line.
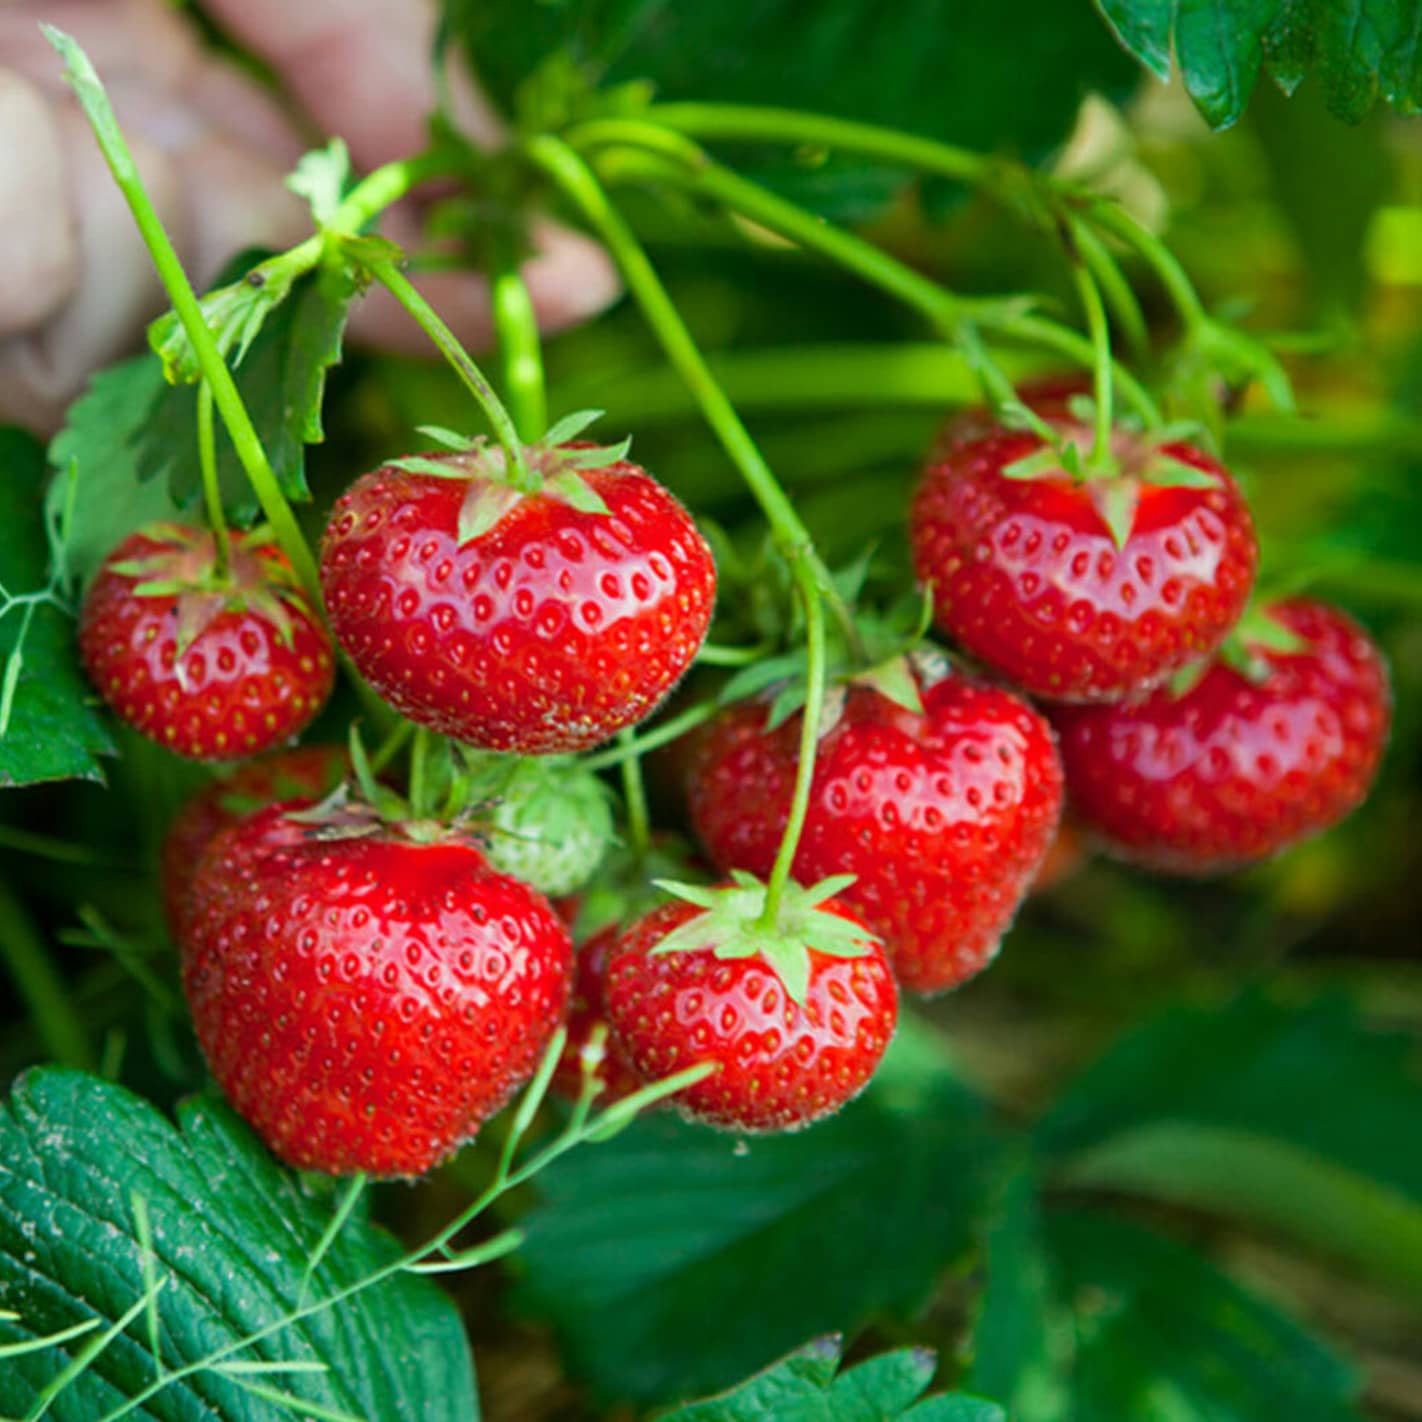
x=76, y=284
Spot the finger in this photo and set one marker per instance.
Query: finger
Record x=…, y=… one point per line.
x=39, y=252
x=569, y=279
x=362, y=68
x=116, y=292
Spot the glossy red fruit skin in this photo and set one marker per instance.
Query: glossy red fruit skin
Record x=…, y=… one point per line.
x=1233, y=771
x=588, y=1011
x=1027, y=578
x=367, y=1003
x=549, y=633
x=781, y=1066
x=303, y=775
x=246, y=691
x=944, y=818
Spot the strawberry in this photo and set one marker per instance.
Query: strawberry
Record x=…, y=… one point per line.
x=942, y=815
x=367, y=994
x=303, y=775
x=615, y=1077
x=538, y=622
x=1246, y=761
x=1087, y=586
x=1065, y=858
x=212, y=667
x=794, y=1018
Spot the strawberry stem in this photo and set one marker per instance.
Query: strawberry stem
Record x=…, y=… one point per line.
x=403, y=290
x=662, y=734
x=815, y=673
x=644, y=154
x=97, y=109
x=520, y=352
x=577, y=181
x=1096, y=323
x=634, y=795
x=211, y=489
x=419, y=774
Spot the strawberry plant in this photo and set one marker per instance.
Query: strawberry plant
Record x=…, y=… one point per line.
x=830, y=840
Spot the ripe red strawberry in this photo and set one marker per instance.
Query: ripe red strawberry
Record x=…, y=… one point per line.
x=549, y=630
x=366, y=1002
x=1235, y=768
x=787, y=1052
x=1082, y=589
x=615, y=1077
x=303, y=775
x=943, y=817
x=213, y=669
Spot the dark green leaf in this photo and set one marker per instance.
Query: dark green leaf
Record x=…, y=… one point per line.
x=1160, y=1333
x=638, y=1244
x=133, y=437
x=231, y=1235
x=990, y=77
x=1363, y=50
x=1299, y=1118
x=53, y=731
x=804, y=1388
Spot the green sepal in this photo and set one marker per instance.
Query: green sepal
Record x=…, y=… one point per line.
x=1167, y=472
x=1260, y=628
x=484, y=506
x=450, y=439
x=1187, y=678
x=788, y=700
x=894, y=680
x=1044, y=463
x=572, y=489
x=1116, y=501
x=426, y=464
x=570, y=427
x=365, y=251
x=731, y=925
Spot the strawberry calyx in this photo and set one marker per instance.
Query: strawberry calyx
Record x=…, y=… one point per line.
x=732, y=924
x=1114, y=477
x=1256, y=633
x=555, y=467
x=257, y=580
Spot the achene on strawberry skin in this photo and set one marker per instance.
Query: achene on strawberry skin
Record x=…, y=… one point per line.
x=366, y=999
x=547, y=633
x=212, y=669
x=1028, y=576
x=780, y=1064
x=1235, y=768
x=943, y=817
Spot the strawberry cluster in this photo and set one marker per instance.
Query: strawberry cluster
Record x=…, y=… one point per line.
x=370, y=979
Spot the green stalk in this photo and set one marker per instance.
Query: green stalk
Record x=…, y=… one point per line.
x=651, y=161
x=576, y=180
x=211, y=489
x=40, y=986
x=520, y=351
x=663, y=734
x=766, y=124
x=634, y=795
x=1090, y=295
x=809, y=745
x=926, y=155
x=95, y=102
x=388, y=184
x=403, y=290
x=419, y=773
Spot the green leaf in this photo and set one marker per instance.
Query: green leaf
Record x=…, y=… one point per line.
x=322, y=177
x=52, y=729
x=1158, y=1332
x=804, y=1388
x=994, y=78
x=638, y=1244
x=231, y=1236
x=1021, y=1343
x=133, y=437
x=1363, y=50
x=1299, y=1119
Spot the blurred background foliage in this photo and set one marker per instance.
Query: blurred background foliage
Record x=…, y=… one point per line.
x=1071, y=1254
